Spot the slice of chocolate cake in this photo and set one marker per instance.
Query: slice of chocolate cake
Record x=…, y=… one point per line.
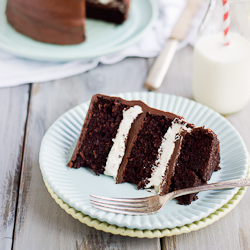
x=110, y=130
x=153, y=149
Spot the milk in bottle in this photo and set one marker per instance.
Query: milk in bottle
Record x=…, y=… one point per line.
x=221, y=77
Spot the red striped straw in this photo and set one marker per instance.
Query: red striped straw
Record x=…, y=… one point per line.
x=226, y=21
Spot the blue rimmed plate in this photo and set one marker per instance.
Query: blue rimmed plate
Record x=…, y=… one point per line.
x=102, y=38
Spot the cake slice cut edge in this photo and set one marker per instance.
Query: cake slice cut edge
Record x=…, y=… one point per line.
x=140, y=157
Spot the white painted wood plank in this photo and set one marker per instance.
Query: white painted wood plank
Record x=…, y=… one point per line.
x=13, y=110
x=230, y=232
x=41, y=223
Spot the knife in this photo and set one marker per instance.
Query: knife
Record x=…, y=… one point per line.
x=163, y=61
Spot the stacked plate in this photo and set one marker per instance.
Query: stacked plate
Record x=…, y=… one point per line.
x=71, y=187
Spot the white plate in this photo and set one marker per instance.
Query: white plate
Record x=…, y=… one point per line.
x=102, y=37
x=75, y=185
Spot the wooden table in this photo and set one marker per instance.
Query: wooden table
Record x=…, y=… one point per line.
x=30, y=218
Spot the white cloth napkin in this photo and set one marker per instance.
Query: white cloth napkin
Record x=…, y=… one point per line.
x=16, y=70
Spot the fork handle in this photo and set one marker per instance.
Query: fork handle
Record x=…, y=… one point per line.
x=213, y=186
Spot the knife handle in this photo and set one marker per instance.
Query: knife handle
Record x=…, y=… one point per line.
x=161, y=65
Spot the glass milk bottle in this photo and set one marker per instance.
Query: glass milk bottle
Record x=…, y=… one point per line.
x=221, y=76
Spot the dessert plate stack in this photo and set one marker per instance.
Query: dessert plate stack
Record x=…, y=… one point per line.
x=71, y=187
x=102, y=38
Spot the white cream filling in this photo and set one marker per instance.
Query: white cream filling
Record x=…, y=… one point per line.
x=118, y=149
x=105, y=1
x=165, y=152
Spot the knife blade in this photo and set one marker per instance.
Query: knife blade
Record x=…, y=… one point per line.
x=179, y=32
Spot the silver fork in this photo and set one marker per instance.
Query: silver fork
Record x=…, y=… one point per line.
x=153, y=204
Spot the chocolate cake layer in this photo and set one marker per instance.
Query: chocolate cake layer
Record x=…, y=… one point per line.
x=115, y=11
x=199, y=158
x=184, y=178
x=59, y=21
x=146, y=143
x=200, y=152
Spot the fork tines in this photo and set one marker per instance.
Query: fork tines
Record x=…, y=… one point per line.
x=132, y=206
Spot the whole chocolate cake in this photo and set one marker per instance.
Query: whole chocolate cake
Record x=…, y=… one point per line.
x=153, y=149
x=62, y=22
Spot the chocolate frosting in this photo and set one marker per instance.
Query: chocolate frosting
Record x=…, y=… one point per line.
x=59, y=21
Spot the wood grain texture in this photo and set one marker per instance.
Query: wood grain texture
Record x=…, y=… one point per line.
x=230, y=232
x=13, y=110
x=41, y=223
